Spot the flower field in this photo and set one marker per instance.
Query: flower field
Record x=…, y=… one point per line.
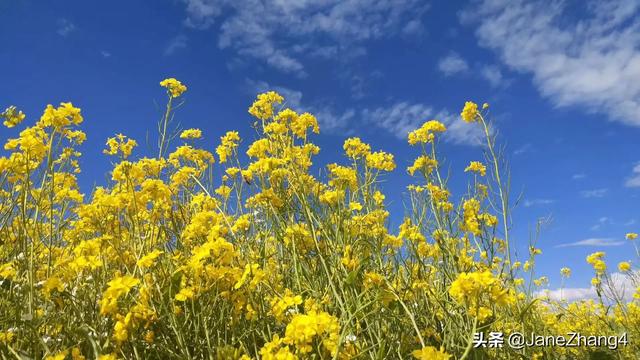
x=235, y=251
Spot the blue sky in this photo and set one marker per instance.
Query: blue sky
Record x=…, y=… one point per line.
x=562, y=79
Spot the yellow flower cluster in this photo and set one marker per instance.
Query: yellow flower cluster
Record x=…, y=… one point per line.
x=12, y=116
x=431, y=353
x=270, y=255
x=424, y=164
x=477, y=167
x=262, y=108
x=191, y=134
x=426, y=133
x=469, y=112
x=355, y=148
x=319, y=326
x=228, y=143
x=478, y=291
x=174, y=87
x=120, y=145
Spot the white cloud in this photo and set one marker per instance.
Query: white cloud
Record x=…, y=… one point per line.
x=282, y=33
x=452, y=64
x=618, y=286
x=568, y=294
x=578, y=176
x=175, y=44
x=413, y=27
x=523, y=149
x=595, y=193
x=105, y=53
x=634, y=179
x=202, y=13
x=603, y=221
x=538, y=202
x=403, y=117
x=65, y=27
x=593, y=242
x=592, y=62
x=493, y=75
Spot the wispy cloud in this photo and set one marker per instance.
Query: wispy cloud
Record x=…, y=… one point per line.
x=538, y=202
x=634, y=179
x=283, y=33
x=578, y=176
x=175, y=44
x=602, y=222
x=105, y=53
x=593, y=242
x=523, y=149
x=568, y=294
x=65, y=27
x=452, y=64
x=591, y=62
x=493, y=75
x=202, y=13
x=594, y=193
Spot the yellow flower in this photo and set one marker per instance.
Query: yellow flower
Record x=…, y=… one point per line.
x=426, y=133
x=262, y=108
x=565, y=272
x=174, y=87
x=424, y=164
x=12, y=116
x=380, y=160
x=60, y=118
x=149, y=259
x=191, y=134
x=52, y=283
x=355, y=148
x=7, y=337
x=59, y=356
x=378, y=197
x=596, y=261
x=470, y=223
x=469, y=112
x=478, y=167
x=228, y=143
x=7, y=271
x=185, y=294
x=120, y=144
x=304, y=328
x=355, y=206
x=303, y=122
x=118, y=287
x=281, y=304
x=373, y=279
x=107, y=357
x=631, y=236
x=624, y=266
x=431, y=353
x=478, y=289
x=342, y=177
x=76, y=354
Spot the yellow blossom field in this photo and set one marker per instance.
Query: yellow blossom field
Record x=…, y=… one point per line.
x=195, y=253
